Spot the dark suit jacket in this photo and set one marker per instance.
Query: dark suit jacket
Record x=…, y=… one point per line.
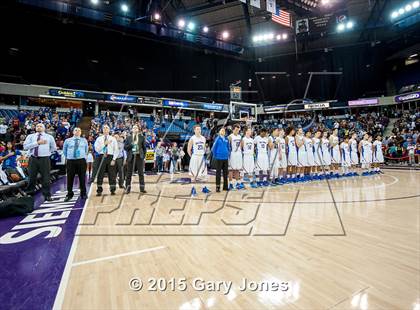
x=128, y=146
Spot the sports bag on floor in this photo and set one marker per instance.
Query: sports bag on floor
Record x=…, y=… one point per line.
x=16, y=206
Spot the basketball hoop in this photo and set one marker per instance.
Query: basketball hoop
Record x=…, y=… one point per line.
x=243, y=111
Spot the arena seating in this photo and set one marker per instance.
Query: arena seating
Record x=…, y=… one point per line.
x=8, y=114
x=159, y=126
x=403, y=128
x=13, y=182
x=403, y=134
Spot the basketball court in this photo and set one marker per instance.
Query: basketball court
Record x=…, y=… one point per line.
x=311, y=105
x=351, y=243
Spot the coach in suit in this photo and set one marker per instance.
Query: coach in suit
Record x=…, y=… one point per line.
x=135, y=146
x=40, y=146
x=75, y=151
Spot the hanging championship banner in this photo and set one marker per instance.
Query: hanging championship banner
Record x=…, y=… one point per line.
x=302, y=26
x=323, y=24
x=256, y=3
x=236, y=93
x=271, y=6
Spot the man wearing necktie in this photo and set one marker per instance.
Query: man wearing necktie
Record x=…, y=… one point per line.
x=107, y=148
x=135, y=146
x=75, y=151
x=40, y=146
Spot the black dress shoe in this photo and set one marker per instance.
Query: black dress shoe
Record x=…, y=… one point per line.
x=48, y=198
x=128, y=190
x=218, y=189
x=68, y=198
x=121, y=186
x=112, y=193
x=143, y=191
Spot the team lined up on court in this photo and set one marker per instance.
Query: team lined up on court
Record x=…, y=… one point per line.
x=283, y=156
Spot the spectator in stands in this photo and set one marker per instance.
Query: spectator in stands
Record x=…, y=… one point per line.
x=40, y=146
x=8, y=158
x=185, y=157
x=121, y=159
x=15, y=123
x=9, y=136
x=131, y=112
x=159, y=151
x=174, y=156
x=23, y=160
x=90, y=160
x=22, y=117
x=417, y=153
x=181, y=158
x=50, y=130
x=74, y=117
x=62, y=131
x=411, y=148
x=166, y=160
x=3, y=131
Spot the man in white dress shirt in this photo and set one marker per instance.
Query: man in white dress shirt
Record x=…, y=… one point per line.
x=40, y=146
x=107, y=148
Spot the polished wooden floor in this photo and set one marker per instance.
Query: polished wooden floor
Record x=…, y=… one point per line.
x=352, y=245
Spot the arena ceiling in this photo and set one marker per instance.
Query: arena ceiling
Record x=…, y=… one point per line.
x=229, y=15
x=243, y=21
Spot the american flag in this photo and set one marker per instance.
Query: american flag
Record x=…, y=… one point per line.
x=281, y=17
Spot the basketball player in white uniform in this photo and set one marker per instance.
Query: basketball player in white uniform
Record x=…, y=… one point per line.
x=317, y=153
x=354, y=157
x=378, y=156
x=282, y=157
x=247, y=145
x=370, y=153
x=262, y=164
x=310, y=159
x=301, y=154
x=326, y=155
x=345, y=156
x=196, y=150
x=273, y=144
x=335, y=152
x=235, y=159
x=291, y=154
x=365, y=150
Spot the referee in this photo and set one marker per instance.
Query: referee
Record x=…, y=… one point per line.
x=107, y=148
x=40, y=146
x=75, y=151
